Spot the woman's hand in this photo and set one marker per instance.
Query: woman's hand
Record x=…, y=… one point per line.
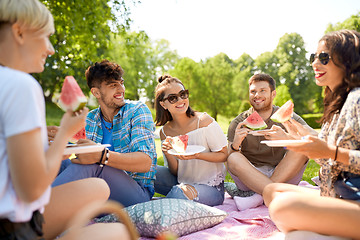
x=315, y=148
x=297, y=130
x=72, y=122
x=166, y=145
x=276, y=133
x=188, y=157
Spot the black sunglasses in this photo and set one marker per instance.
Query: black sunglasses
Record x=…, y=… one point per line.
x=173, y=98
x=323, y=57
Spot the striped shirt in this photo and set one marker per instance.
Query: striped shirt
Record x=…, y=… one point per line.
x=133, y=131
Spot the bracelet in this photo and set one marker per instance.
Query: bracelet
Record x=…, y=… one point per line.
x=107, y=155
x=234, y=148
x=336, y=152
x=101, y=158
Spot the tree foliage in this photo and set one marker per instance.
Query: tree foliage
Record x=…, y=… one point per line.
x=351, y=23
x=282, y=95
x=143, y=62
x=82, y=36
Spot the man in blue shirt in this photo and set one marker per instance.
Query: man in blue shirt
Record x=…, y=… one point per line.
x=129, y=165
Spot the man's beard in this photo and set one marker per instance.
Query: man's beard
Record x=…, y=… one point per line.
x=109, y=103
x=263, y=108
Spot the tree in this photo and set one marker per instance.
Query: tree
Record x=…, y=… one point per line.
x=268, y=63
x=282, y=95
x=216, y=86
x=294, y=70
x=351, y=23
x=244, y=69
x=189, y=72
x=82, y=36
x=143, y=61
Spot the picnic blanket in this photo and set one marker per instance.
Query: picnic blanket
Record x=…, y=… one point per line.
x=253, y=223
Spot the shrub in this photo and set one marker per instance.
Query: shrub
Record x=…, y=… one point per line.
x=313, y=119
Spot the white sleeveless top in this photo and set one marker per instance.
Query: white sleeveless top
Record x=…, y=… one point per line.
x=196, y=171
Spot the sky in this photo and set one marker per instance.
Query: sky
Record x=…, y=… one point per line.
x=201, y=29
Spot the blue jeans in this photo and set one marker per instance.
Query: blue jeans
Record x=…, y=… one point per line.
x=166, y=184
x=123, y=188
x=348, y=186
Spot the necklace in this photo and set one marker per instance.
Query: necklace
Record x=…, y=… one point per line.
x=106, y=122
x=108, y=128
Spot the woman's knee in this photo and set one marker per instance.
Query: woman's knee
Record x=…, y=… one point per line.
x=286, y=206
x=269, y=192
x=189, y=191
x=95, y=187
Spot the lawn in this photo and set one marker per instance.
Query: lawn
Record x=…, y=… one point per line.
x=54, y=114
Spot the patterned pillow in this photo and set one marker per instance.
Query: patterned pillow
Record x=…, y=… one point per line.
x=233, y=191
x=168, y=214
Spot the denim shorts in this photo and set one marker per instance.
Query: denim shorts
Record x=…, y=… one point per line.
x=347, y=186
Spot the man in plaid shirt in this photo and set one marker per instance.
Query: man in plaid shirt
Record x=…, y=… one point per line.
x=129, y=165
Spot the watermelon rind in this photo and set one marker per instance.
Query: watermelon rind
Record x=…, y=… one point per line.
x=284, y=113
x=255, y=122
x=79, y=104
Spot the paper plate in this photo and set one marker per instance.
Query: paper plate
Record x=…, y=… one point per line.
x=284, y=143
x=77, y=149
x=261, y=132
x=190, y=150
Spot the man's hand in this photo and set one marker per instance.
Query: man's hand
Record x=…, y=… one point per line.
x=240, y=134
x=87, y=158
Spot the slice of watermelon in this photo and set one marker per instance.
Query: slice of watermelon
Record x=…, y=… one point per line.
x=255, y=122
x=284, y=113
x=179, y=143
x=79, y=135
x=71, y=96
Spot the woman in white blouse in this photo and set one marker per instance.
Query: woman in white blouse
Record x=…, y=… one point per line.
x=199, y=176
x=336, y=210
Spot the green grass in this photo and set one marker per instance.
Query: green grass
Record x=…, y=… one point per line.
x=54, y=114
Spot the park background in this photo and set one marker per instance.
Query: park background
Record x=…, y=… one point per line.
x=89, y=31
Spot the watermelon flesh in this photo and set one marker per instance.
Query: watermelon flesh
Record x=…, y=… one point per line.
x=179, y=143
x=71, y=96
x=284, y=113
x=79, y=135
x=255, y=121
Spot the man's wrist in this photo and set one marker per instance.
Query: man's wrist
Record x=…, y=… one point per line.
x=234, y=148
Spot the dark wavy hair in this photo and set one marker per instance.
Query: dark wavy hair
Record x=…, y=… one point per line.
x=343, y=46
x=259, y=77
x=163, y=116
x=104, y=71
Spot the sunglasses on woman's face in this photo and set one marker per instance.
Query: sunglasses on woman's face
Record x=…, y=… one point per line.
x=324, y=58
x=173, y=98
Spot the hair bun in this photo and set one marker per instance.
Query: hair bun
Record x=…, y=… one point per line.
x=163, y=77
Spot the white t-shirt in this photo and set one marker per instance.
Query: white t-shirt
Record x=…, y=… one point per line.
x=196, y=171
x=22, y=109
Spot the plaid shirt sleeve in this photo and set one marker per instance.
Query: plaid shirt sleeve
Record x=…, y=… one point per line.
x=142, y=132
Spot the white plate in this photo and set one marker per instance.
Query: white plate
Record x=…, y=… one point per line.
x=85, y=149
x=190, y=150
x=284, y=143
x=261, y=132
